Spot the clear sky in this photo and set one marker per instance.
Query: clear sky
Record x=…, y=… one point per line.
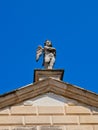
x=71, y=25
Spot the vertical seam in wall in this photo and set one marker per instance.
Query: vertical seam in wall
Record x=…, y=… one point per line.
x=38, y=127
x=51, y=120
x=93, y=127
x=79, y=120
x=23, y=120
x=64, y=128
x=9, y=128
x=9, y=109
x=64, y=109
x=91, y=110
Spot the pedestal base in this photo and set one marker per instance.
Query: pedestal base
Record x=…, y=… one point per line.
x=43, y=74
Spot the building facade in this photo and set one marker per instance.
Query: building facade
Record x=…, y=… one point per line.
x=49, y=104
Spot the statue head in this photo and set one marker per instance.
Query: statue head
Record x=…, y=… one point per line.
x=48, y=43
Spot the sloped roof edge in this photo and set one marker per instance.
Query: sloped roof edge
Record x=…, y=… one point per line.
x=45, y=86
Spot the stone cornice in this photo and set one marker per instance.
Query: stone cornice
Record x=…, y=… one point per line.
x=45, y=86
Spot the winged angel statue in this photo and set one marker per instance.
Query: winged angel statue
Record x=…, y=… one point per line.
x=49, y=54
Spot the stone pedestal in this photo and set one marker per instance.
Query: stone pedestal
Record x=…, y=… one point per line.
x=43, y=74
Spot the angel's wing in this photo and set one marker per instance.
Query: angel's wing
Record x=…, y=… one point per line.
x=39, y=52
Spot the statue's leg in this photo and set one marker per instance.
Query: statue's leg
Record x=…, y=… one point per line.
x=47, y=60
x=51, y=63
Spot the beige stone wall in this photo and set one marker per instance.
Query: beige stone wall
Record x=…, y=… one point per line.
x=67, y=117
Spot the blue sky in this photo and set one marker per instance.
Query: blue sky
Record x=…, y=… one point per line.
x=71, y=25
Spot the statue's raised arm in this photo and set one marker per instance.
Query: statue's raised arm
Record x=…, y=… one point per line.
x=39, y=52
x=49, y=54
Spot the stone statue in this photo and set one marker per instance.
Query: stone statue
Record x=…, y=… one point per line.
x=49, y=54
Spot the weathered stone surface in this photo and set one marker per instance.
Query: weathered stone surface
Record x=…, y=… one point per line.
x=96, y=127
x=43, y=74
x=23, y=110
x=45, y=86
x=79, y=127
x=4, y=127
x=5, y=111
x=51, y=128
x=37, y=120
x=11, y=120
x=25, y=128
x=51, y=110
x=65, y=120
x=77, y=110
x=89, y=119
x=50, y=100
x=95, y=110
